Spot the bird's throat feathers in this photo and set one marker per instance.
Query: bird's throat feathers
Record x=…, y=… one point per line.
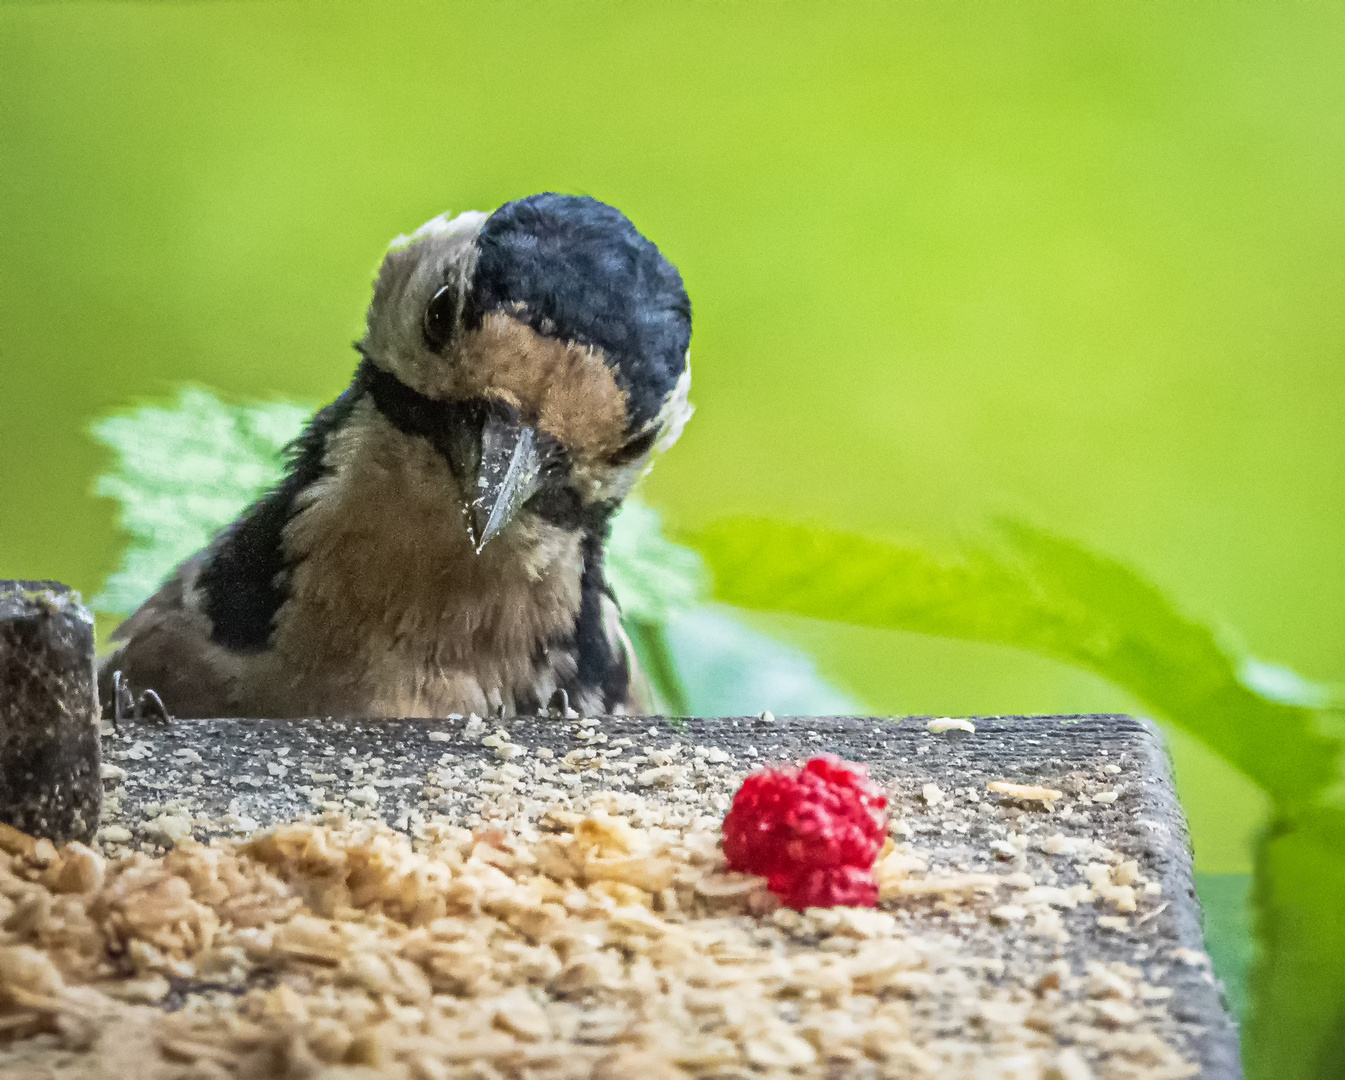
x=386, y=514
x=372, y=581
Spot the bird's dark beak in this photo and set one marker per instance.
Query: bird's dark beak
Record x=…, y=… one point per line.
x=499, y=467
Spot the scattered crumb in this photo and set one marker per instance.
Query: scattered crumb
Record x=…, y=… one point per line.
x=948, y=723
x=1025, y=792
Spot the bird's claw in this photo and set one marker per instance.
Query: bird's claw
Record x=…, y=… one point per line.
x=124, y=703
x=122, y=700
x=151, y=707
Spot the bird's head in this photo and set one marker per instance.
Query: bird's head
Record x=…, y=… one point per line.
x=541, y=348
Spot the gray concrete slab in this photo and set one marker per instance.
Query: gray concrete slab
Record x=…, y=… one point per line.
x=220, y=777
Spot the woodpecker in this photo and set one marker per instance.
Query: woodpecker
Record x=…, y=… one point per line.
x=435, y=546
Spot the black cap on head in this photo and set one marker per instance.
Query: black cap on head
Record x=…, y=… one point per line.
x=577, y=269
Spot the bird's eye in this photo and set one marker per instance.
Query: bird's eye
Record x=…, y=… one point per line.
x=439, y=318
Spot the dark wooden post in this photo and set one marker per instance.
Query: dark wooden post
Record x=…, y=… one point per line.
x=50, y=751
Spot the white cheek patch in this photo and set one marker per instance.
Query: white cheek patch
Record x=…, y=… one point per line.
x=673, y=417
x=414, y=267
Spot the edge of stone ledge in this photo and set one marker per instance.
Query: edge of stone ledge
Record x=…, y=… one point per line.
x=1157, y=825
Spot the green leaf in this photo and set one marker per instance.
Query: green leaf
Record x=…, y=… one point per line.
x=651, y=576
x=182, y=472
x=702, y=661
x=729, y=669
x=1296, y=1026
x=1226, y=916
x=1035, y=591
x=1039, y=592
x=1288, y=687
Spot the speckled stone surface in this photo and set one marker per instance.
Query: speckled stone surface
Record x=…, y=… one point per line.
x=1116, y=805
x=49, y=745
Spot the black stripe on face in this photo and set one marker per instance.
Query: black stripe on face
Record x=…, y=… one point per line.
x=444, y=422
x=412, y=413
x=635, y=448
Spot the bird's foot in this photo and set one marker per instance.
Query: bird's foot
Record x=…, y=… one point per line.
x=149, y=706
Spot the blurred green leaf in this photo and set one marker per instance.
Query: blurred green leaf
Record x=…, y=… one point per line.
x=1295, y=1029
x=1035, y=591
x=1032, y=591
x=729, y=669
x=180, y=473
x=652, y=577
x=702, y=661
x=1226, y=917
x=1279, y=683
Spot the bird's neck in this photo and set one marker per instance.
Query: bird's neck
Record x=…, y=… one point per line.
x=384, y=527
x=367, y=589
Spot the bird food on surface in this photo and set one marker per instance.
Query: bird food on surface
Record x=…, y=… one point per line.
x=951, y=723
x=1030, y=792
x=812, y=832
x=566, y=924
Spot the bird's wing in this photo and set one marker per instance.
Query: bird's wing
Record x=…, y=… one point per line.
x=165, y=646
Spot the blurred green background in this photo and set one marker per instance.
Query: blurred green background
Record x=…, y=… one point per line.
x=1081, y=263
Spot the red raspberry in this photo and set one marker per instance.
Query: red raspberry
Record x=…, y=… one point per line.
x=812, y=832
x=835, y=886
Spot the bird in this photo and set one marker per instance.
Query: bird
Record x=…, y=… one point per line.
x=435, y=546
